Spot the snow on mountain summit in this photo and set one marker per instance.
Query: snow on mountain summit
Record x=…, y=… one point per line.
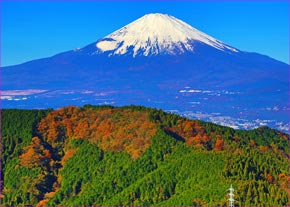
x=157, y=33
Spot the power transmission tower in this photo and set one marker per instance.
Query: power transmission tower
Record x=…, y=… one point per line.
x=231, y=196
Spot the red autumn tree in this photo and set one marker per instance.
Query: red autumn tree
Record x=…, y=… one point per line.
x=219, y=145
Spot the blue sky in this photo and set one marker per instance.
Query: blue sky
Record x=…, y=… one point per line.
x=32, y=30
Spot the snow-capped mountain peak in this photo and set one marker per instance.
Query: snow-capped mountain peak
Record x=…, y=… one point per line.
x=155, y=34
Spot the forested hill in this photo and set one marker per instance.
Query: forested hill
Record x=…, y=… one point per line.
x=92, y=155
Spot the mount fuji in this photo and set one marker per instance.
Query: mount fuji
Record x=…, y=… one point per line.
x=158, y=61
x=156, y=34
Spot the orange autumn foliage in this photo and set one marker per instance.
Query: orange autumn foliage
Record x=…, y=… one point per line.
x=193, y=133
x=110, y=129
x=264, y=148
x=42, y=203
x=49, y=195
x=239, y=151
x=47, y=154
x=219, y=145
x=284, y=181
x=68, y=154
x=35, y=155
x=270, y=178
x=252, y=143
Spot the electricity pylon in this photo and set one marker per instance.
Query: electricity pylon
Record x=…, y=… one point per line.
x=231, y=196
